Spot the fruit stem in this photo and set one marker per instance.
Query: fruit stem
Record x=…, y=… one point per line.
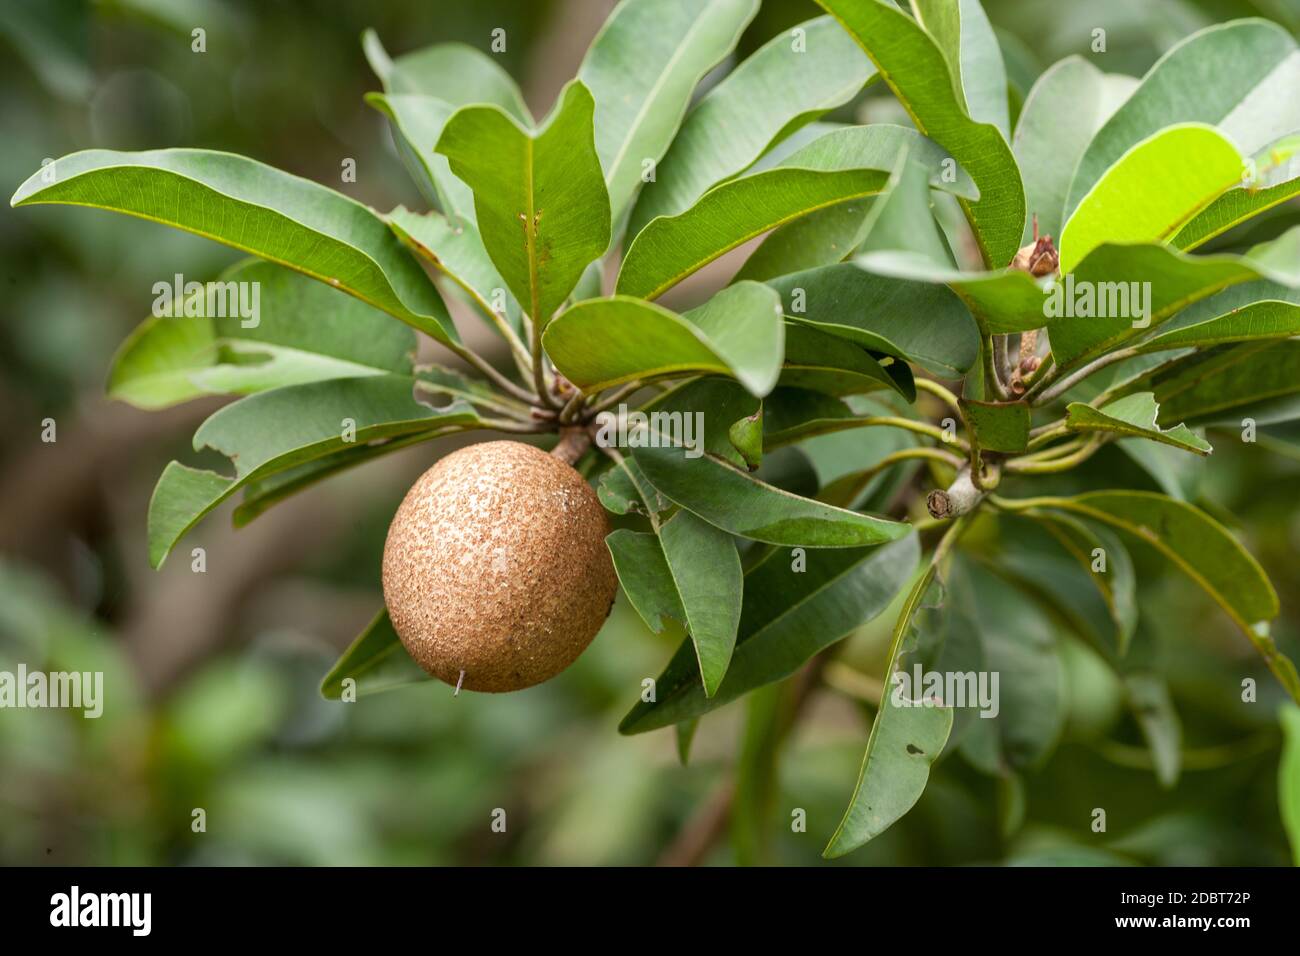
x=573, y=442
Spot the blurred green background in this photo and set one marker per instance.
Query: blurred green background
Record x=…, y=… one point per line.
x=212, y=678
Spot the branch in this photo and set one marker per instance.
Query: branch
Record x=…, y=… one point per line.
x=958, y=499
x=948, y=398
x=1052, y=391
x=497, y=379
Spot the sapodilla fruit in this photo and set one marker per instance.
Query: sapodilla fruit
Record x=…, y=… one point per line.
x=496, y=565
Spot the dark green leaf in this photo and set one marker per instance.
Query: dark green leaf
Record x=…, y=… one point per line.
x=1066, y=106
x=1202, y=548
x=276, y=430
x=642, y=68
x=689, y=571
x=778, y=89
x=827, y=363
x=844, y=164
x=915, y=68
x=745, y=506
x=787, y=617
x=818, y=239
x=907, y=737
x=998, y=427
x=598, y=343
x=539, y=196
x=304, y=332
x=260, y=210
x=1019, y=645
x=921, y=322
x=1252, y=62
x=1133, y=415
x=376, y=661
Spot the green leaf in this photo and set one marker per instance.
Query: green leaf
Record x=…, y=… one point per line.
x=1001, y=427
x=1153, y=709
x=827, y=363
x=793, y=414
x=1278, y=258
x=818, y=239
x=1252, y=310
x=276, y=430
x=303, y=332
x=1277, y=181
x=1001, y=302
x=1203, y=549
x=417, y=123
x=905, y=740
x=787, y=616
x=1152, y=190
x=1133, y=415
x=1174, y=473
x=1288, y=777
x=1237, y=76
x=455, y=73
x=916, y=70
x=922, y=322
x=844, y=164
x=376, y=661
x=454, y=247
x=1227, y=384
x=685, y=734
x=902, y=221
x=540, y=197
x=642, y=68
x=1051, y=554
x=1019, y=644
x=689, y=571
x=264, y=493
x=1164, y=279
x=775, y=91
x=602, y=342
x=260, y=210
x=745, y=506
x=1065, y=108
x=713, y=403
x=964, y=34
x=625, y=490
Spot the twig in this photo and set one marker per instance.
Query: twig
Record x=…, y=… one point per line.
x=992, y=379
x=1064, y=463
x=539, y=370
x=501, y=425
x=609, y=401
x=921, y=428
x=860, y=479
x=1051, y=391
x=957, y=499
x=484, y=366
x=934, y=388
x=572, y=406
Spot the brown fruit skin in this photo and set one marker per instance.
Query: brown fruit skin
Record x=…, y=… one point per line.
x=496, y=564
